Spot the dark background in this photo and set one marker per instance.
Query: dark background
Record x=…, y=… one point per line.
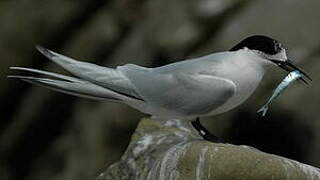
x=48, y=135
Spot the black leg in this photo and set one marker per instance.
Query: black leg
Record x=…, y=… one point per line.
x=204, y=132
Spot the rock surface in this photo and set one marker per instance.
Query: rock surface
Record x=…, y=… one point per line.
x=173, y=150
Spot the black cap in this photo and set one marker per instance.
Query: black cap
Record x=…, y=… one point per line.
x=261, y=43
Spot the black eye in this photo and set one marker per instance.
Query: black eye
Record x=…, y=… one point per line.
x=277, y=47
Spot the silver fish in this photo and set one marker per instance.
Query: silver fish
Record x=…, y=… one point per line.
x=291, y=77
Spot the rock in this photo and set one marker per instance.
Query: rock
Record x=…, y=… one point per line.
x=173, y=150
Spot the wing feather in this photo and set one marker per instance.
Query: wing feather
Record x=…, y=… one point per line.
x=183, y=93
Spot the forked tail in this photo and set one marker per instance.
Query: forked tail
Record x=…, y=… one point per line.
x=67, y=84
x=263, y=110
x=93, y=81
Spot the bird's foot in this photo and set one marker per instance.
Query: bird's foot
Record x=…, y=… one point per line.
x=207, y=135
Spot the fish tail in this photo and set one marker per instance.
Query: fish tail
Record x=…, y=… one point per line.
x=263, y=110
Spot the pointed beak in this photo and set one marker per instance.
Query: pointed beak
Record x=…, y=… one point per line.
x=288, y=66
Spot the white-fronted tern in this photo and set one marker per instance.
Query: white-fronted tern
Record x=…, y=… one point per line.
x=188, y=89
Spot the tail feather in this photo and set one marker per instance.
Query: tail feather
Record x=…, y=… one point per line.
x=60, y=76
x=95, y=82
x=103, y=76
x=75, y=87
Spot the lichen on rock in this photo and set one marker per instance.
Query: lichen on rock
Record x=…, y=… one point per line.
x=172, y=149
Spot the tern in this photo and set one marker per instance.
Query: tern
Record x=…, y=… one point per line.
x=188, y=89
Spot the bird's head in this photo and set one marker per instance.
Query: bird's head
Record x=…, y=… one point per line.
x=269, y=50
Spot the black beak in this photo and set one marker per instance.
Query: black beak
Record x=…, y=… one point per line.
x=288, y=66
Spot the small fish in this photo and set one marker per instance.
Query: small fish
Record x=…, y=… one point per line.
x=291, y=77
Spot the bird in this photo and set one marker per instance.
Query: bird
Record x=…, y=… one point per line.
x=187, y=89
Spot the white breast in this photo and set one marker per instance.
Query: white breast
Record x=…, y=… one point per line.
x=246, y=71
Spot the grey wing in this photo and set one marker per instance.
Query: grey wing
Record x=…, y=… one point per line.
x=187, y=94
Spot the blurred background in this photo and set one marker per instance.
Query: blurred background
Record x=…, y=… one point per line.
x=49, y=135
